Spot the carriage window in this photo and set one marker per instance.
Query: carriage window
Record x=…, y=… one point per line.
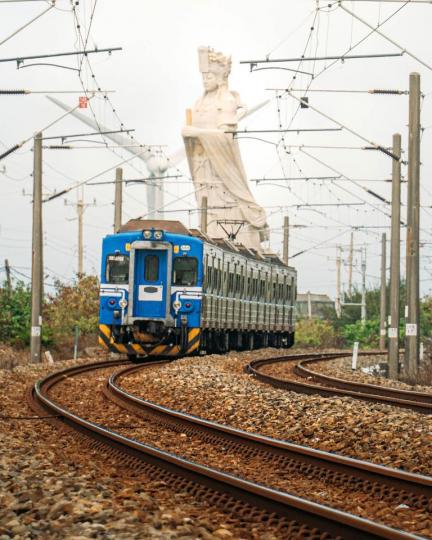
x=151, y=268
x=117, y=269
x=185, y=271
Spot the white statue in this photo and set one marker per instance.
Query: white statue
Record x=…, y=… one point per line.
x=214, y=155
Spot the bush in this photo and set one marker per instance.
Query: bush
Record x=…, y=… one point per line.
x=73, y=305
x=315, y=333
x=15, y=315
x=367, y=334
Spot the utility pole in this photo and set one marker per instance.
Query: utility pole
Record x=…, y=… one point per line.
x=118, y=199
x=80, y=207
x=204, y=207
x=393, y=331
x=309, y=302
x=338, y=303
x=383, y=306
x=80, y=211
x=36, y=282
x=285, y=252
x=350, y=264
x=413, y=210
x=8, y=277
x=363, y=294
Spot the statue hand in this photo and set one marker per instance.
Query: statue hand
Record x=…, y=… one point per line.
x=189, y=131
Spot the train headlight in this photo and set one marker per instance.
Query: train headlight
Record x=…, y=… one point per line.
x=147, y=235
x=158, y=235
x=123, y=303
x=177, y=305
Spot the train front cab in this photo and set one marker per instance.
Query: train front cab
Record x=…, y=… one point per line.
x=161, y=315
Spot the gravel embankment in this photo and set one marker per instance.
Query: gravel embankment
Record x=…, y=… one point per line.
x=54, y=487
x=217, y=388
x=83, y=395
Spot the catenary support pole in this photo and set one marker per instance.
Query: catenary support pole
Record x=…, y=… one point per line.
x=80, y=211
x=118, y=199
x=413, y=209
x=383, y=303
x=350, y=264
x=393, y=331
x=363, y=293
x=285, y=251
x=338, y=284
x=204, y=217
x=36, y=283
x=8, y=277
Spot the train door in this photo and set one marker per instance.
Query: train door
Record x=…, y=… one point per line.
x=150, y=283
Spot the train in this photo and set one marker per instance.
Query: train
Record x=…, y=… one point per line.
x=166, y=290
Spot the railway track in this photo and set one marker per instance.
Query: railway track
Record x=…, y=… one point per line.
x=299, y=368
x=293, y=515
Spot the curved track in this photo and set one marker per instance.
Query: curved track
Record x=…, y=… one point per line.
x=333, y=386
x=298, y=516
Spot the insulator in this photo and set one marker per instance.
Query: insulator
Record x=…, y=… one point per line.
x=59, y=147
x=383, y=91
x=13, y=92
x=10, y=151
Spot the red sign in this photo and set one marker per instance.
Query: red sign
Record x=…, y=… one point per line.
x=82, y=104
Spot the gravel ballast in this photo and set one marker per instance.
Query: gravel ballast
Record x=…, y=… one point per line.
x=53, y=486
x=217, y=388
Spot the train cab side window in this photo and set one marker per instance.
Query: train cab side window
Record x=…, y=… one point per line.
x=151, y=268
x=185, y=271
x=117, y=269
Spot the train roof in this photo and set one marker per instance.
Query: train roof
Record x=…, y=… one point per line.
x=177, y=227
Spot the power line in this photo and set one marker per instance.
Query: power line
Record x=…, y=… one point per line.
x=27, y=24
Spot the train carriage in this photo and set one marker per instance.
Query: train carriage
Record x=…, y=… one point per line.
x=170, y=291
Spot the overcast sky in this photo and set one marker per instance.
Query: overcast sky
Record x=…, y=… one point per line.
x=156, y=77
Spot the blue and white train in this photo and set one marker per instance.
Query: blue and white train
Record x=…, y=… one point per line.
x=170, y=291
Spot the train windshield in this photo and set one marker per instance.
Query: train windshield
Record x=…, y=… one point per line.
x=117, y=269
x=185, y=271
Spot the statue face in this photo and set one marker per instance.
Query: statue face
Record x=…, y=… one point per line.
x=210, y=81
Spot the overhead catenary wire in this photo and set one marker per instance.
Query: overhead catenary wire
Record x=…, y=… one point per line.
x=27, y=24
x=393, y=42
x=25, y=92
x=22, y=143
x=346, y=128
x=370, y=192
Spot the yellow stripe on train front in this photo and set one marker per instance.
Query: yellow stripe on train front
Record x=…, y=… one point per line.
x=193, y=333
x=174, y=351
x=158, y=349
x=102, y=343
x=193, y=348
x=105, y=330
x=137, y=348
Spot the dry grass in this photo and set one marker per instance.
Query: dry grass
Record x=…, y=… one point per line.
x=423, y=376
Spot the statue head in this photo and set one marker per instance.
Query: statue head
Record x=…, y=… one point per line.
x=215, y=68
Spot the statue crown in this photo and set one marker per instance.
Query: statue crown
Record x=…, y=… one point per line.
x=214, y=62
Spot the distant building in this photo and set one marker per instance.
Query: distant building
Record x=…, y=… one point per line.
x=313, y=306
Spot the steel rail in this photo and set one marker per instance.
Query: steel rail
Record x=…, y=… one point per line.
x=397, y=393
x=402, y=480
x=345, y=388
x=327, y=519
